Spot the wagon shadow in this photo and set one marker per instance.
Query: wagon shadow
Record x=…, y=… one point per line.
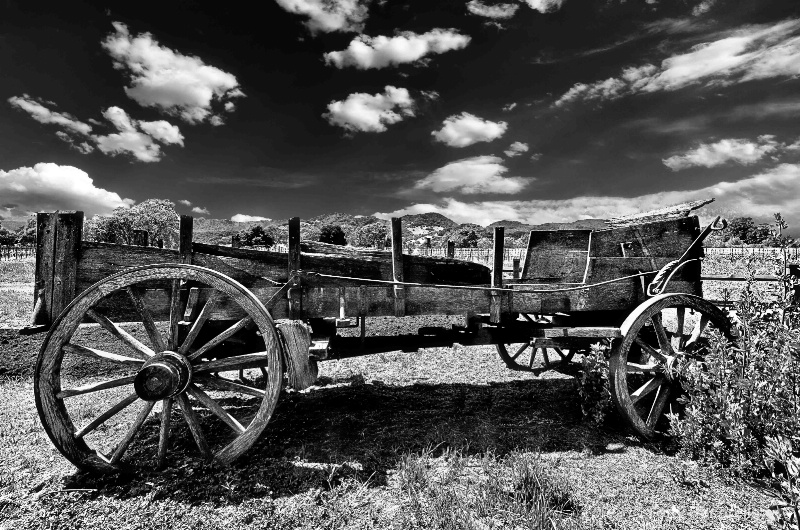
x=319, y=438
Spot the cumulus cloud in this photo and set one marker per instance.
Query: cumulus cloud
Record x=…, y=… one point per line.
x=178, y=84
x=516, y=149
x=329, y=15
x=185, y=202
x=757, y=196
x=244, y=218
x=47, y=186
x=536, y=156
x=371, y=113
x=736, y=150
x=465, y=129
x=479, y=174
x=82, y=147
x=129, y=140
x=747, y=54
x=544, y=6
x=366, y=52
x=42, y=114
x=509, y=107
x=201, y=210
x=497, y=11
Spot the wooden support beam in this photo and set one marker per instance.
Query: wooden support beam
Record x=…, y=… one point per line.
x=515, y=269
x=185, y=238
x=397, y=267
x=295, y=292
x=69, y=229
x=495, y=306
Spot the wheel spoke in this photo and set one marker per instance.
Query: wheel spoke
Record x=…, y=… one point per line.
x=102, y=418
x=661, y=334
x=129, y=340
x=175, y=314
x=137, y=424
x=220, y=383
x=237, y=362
x=243, y=323
x=163, y=432
x=216, y=409
x=198, y=324
x=95, y=387
x=698, y=330
x=662, y=396
x=646, y=389
x=194, y=425
x=561, y=354
x=92, y=353
x=147, y=319
x=545, y=357
x=681, y=314
x=634, y=368
x=650, y=350
x=520, y=351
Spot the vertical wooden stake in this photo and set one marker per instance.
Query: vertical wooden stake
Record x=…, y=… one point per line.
x=451, y=249
x=69, y=229
x=495, y=308
x=43, y=283
x=295, y=292
x=516, y=269
x=185, y=238
x=397, y=267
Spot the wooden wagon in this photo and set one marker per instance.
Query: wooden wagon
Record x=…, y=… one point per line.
x=202, y=339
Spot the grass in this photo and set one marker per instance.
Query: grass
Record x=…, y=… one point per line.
x=443, y=438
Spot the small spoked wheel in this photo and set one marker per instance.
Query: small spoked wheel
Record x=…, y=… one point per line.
x=658, y=339
x=522, y=356
x=181, y=358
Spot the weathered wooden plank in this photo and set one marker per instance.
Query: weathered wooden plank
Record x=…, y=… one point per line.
x=557, y=255
x=663, y=238
x=590, y=332
x=185, y=238
x=397, y=267
x=294, y=265
x=495, y=309
x=69, y=228
x=45, y=255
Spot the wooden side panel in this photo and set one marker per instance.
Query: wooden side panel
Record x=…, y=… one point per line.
x=557, y=256
x=69, y=228
x=663, y=238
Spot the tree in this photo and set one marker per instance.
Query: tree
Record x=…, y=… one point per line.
x=7, y=237
x=27, y=234
x=332, y=234
x=256, y=235
x=469, y=240
x=371, y=235
x=740, y=227
x=157, y=216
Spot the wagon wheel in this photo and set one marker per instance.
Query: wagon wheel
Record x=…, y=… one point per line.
x=658, y=339
x=521, y=356
x=96, y=404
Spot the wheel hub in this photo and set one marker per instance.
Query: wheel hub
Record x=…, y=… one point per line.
x=165, y=375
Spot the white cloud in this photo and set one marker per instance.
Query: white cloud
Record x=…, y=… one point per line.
x=329, y=15
x=82, y=147
x=230, y=106
x=758, y=196
x=366, y=52
x=201, y=210
x=185, y=202
x=138, y=144
x=516, y=149
x=736, y=150
x=536, y=156
x=371, y=113
x=162, y=131
x=465, y=129
x=479, y=174
x=42, y=114
x=751, y=53
x=244, y=218
x=703, y=7
x=159, y=77
x=497, y=11
x=544, y=6
x=47, y=187
x=509, y=107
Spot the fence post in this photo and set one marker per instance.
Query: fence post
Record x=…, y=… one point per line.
x=185, y=238
x=451, y=249
x=515, y=268
x=495, y=305
x=295, y=292
x=397, y=267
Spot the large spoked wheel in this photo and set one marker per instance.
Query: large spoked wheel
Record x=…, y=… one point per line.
x=143, y=393
x=658, y=339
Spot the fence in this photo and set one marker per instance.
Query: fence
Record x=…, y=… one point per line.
x=17, y=252
x=792, y=253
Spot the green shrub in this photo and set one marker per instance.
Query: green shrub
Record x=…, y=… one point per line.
x=594, y=388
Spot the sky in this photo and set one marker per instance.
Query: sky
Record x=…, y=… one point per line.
x=528, y=110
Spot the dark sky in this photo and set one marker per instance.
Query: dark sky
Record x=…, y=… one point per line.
x=534, y=110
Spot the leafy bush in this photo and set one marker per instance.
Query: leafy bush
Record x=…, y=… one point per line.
x=157, y=216
x=256, y=235
x=594, y=387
